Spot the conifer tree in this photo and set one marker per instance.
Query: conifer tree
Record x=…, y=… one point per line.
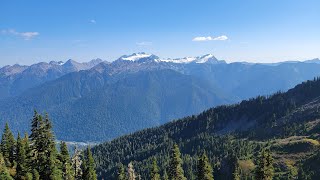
x=154, y=170
x=77, y=164
x=131, y=172
x=8, y=146
x=44, y=150
x=89, y=172
x=204, y=168
x=26, y=144
x=65, y=162
x=165, y=175
x=4, y=174
x=264, y=169
x=236, y=171
x=175, y=166
x=121, y=175
x=21, y=169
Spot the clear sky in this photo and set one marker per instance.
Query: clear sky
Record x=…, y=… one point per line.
x=234, y=30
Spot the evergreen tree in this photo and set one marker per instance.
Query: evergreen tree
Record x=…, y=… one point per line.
x=21, y=169
x=35, y=174
x=89, y=172
x=8, y=146
x=26, y=144
x=44, y=150
x=155, y=170
x=121, y=175
x=4, y=174
x=236, y=171
x=165, y=175
x=67, y=173
x=175, y=166
x=204, y=168
x=264, y=169
x=77, y=164
x=131, y=172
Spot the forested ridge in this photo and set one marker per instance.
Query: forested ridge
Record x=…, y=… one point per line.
x=283, y=127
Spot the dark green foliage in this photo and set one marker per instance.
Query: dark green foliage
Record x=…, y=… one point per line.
x=8, y=146
x=4, y=174
x=65, y=160
x=204, y=168
x=89, y=172
x=236, y=175
x=121, y=175
x=21, y=159
x=175, y=165
x=264, y=169
x=154, y=170
x=44, y=151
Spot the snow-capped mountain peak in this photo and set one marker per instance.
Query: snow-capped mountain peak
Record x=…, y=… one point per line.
x=135, y=56
x=186, y=60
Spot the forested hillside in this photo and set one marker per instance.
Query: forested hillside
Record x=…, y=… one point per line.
x=283, y=127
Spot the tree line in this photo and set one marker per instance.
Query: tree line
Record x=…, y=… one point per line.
x=36, y=157
x=263, y=171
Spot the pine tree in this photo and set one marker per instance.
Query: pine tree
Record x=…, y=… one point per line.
x=77, y=164
x=67, y=173
x=175, y=166
x=121, y=175
x=21, y=169
x=204, y=168
x=8, y=146
x=155, y=170
x=89, y=172
x=131, y=172
x=264, y=169
x=4, y=174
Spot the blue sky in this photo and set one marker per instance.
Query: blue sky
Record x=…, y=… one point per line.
x=234, y=30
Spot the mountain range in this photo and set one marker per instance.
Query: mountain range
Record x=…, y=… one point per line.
x=109, y=99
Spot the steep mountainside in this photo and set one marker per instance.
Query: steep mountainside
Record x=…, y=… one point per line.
x=289, y=121
x=105, y=108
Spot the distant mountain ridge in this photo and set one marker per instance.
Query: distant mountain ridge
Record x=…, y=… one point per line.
x=16, y=79
x=136, y=91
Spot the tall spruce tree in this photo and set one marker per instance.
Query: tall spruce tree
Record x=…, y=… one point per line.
x=44, y=150
x=8, y=146
x=264, y=169
x=89, y=172
x=204, y=168
x=154, y=170
x=65, y=160
x=175, y=166
x=121, y=174
x=21, y=159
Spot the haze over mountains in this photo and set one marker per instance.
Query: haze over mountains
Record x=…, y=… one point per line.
x=136, y=91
